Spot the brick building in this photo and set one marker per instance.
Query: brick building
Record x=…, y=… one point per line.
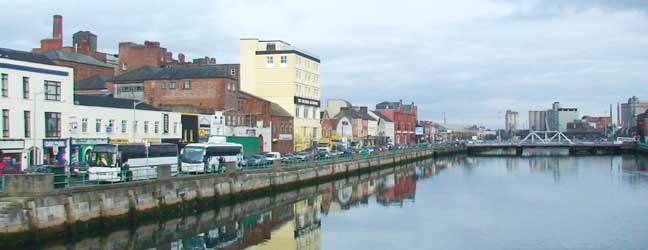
x=84, y=66
x=404, y=117
x=642, y=127
x=282, y=129
x=134, y=56
x=84, y=43
x=192, y=89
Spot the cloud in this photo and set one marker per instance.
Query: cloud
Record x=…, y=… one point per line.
x=470, y=59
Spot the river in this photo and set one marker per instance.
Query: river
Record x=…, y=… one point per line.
x=584, y=202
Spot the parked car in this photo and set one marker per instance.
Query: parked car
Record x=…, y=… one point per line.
x=335, y=152
x=288, y=156
x=271, y=156
x=304, y=156
x=255, y=160
x=323, y=154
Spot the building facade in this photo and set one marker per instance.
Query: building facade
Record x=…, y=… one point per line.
x=289, y=77
x=282, y=129
x=404, y=117
x=538, y=120
x=385, y=132
x=511, y=120
x=629, y=111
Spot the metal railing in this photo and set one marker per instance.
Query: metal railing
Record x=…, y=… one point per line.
x=2, y=183
x=63, y=179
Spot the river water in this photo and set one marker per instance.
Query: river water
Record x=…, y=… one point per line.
x=588, y=202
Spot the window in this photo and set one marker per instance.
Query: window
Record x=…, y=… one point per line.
x=5, y=123
x=124, y=66
x=26, y=87
x=5, y=85
x=269, y=61
x=111, y=126
x=98, y=125
x=315, y=113
x=172, y=85
x=307, y=92
x=298, y=75
x=134, y=127
x=84, y=125
x=137, y=88
x=124, y=126
x=27, y=123
x=52, y=91
x=163, y=85
x=299, y=61
x=283, y=59
x=233, y=72
x=297, y=111
x=146, y=127
x=52, y=124
x=156, y=127
x=305, y=112
x=186, y=84
x=175, y=127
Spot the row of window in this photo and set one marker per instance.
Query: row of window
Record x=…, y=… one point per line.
x=304, y=76
x=285, y=126
x=52, y=89
x=307, y=112
x=305, y=91
x=110, y=127
x=283, y=62
x=52, y=124
x=186, y=84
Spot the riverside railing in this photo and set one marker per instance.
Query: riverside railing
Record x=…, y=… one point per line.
x=64, y=179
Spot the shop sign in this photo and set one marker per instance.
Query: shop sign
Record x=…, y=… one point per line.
x=54, y=143
x=285, y=137
x=151, y=140
x=418, y=131
x=15, y=144
x=118, y=140
x=307, y=102
x=91, y=141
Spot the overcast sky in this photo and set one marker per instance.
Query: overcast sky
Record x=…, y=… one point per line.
x=471, y=59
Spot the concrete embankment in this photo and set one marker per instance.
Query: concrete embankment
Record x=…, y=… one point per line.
x=32, y=212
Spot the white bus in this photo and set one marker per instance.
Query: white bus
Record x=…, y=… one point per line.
x=198, y=157
x=109, y=162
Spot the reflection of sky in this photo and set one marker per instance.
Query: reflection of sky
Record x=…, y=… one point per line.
x=505, y=204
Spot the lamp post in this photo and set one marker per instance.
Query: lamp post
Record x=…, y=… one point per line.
x=33, y=128
x=134, y=117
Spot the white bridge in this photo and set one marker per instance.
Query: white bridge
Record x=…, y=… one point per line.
x=545, y=137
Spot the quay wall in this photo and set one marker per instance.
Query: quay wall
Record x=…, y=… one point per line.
x=55, y=213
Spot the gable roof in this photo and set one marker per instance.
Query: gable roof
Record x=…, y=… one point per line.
x=353, y=114
x=74, y=57
x=381, y=116
x=276, y=110
x=94, y=82
x=110, y=102
x=173, y=73
x=24, y=56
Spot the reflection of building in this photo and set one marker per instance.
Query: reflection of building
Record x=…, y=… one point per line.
x=397, y=188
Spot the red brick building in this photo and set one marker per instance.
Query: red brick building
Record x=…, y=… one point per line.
x=404, y=117
x=282, y=129
x=84, y=66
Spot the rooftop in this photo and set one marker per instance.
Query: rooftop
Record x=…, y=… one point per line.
x=276, y=110
x=110, y=102
x=74, y=57
x=94, y=82
x=382, y=116
x=174, y=73
x=24, y=56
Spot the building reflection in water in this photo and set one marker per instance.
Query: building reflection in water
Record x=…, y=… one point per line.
x=634, y=169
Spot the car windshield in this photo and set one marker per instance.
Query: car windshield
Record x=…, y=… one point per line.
x=192, y=155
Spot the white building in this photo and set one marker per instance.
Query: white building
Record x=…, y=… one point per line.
x=43, y=122
x=511, y=120
x=385, y=127
x=34, y=95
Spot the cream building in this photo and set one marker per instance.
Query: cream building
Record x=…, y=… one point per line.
x=287, y=76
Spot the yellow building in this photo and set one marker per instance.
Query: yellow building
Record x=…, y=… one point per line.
x=287, y=76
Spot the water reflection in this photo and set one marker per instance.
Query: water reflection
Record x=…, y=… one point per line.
x=293, y=220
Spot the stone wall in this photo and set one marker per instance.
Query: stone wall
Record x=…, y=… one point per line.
x=53, y=213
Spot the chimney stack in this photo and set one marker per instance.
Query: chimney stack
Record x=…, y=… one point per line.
x=181, y=58
x=57, y=32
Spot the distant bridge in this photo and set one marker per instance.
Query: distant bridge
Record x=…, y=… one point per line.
x=568, y=148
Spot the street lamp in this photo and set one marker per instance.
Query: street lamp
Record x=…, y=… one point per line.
x=134, y=117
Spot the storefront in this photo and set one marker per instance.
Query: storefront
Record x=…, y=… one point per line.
x=11, y=155
x=81, y=148
x=55, y=152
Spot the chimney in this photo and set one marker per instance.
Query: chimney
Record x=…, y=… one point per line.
x=363, y=109
x=57, y=32
x=181, y=58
